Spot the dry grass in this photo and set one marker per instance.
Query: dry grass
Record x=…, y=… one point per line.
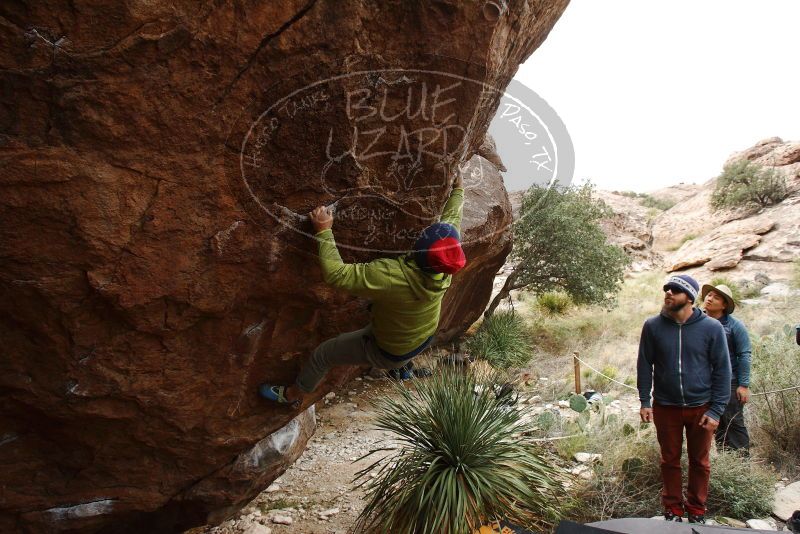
x=627, y=481
x=776, y=417
x=796, y=273
x=767, y=318
x=606, y=339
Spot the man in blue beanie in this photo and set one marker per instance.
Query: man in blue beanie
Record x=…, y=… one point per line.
x=684, y=364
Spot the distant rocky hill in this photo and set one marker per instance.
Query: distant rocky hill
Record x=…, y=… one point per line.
x=691, y=237
x=705, y=243
x=630, y=227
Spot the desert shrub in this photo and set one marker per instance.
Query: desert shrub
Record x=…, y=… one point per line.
x=647, y=200
x=557, y=334
x=596, y=330
x=776, y=365
x=548, y=421
x=663, y=204
x=553, y=302
x=739, y=293
x=627, y=480
x=739, y=488
x=629, y=381
x=462, y=459
x=576, y=442
x=503, y=340
x=552, y=337
x=747, y=292
x=744, y=184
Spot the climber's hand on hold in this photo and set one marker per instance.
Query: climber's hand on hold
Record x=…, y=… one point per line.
x=459, y=181
x=321, y=218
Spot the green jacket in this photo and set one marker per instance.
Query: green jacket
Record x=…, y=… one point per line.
x=406, y=301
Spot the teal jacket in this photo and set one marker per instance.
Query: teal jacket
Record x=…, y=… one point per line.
x=738, y=348
x=406, y=301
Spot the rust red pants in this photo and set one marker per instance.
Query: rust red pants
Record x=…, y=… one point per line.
x=670, y=423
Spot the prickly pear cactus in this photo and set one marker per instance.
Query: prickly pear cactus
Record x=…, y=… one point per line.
x=578, y=403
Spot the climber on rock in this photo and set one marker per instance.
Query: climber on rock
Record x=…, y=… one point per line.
x=406, y=294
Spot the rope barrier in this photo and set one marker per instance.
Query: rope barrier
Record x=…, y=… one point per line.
x=634, y=389
x=602, y=374
x=556, y=437
x=774, y=391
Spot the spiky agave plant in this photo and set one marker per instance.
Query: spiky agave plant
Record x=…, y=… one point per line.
x=463, y=459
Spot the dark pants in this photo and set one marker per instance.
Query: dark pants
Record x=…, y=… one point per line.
x=670, y=423
x=350, y=348
x=731, y=433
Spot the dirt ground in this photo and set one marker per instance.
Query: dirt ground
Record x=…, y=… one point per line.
x=317, y=493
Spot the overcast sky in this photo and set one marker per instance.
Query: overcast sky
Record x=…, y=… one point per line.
x=654, y=93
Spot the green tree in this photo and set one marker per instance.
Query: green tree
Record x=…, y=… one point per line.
x=559, y=246
x=747, y=184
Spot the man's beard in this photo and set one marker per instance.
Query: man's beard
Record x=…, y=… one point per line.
x=674, y=308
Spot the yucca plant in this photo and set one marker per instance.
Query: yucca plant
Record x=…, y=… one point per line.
x=502, y=340
x=462, y=459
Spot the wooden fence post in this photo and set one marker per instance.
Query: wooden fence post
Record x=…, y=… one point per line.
x=577, y=365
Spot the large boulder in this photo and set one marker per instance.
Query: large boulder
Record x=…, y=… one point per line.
x=155, y=260
x=722, y=248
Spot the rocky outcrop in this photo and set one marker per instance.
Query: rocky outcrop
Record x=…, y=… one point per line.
x=155, y=262
x=722, y=248
x=692, y=216
x=741, y=243
x=774, y=152
x=630, y=228
x=787, y=500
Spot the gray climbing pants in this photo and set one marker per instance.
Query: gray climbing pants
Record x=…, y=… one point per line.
x=350, y=348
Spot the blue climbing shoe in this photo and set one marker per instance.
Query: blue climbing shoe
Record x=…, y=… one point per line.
x=401, y=373
x=276, y=394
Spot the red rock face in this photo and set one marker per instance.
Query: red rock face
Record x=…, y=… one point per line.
x=157, y=162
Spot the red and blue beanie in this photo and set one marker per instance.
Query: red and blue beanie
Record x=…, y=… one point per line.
x=438, y=249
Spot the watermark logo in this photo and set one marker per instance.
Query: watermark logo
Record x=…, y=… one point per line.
x=380, y=148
